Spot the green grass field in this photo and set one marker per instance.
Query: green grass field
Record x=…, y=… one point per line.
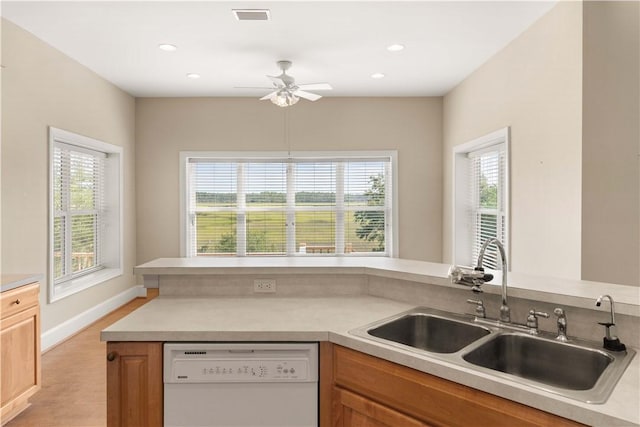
x=266, y=231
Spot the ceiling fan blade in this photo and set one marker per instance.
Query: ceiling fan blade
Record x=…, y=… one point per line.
x=277, y=80
x=315, y=86
x=307, y=95
x=270, y=95
x=254, y=87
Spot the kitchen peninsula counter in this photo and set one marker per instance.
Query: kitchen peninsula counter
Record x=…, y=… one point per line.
x=268, y=318
x=567, y=292
x=323, y=298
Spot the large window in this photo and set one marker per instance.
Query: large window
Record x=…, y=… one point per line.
x=274, y=204
x=84, y=211
x=481, y=198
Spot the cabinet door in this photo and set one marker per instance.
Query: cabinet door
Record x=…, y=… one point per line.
x=353, y=410
x=20, y=361
x=134, y=384
x=431, y=399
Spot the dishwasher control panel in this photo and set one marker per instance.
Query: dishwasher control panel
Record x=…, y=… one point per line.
x=238, y=370
x=240, y=363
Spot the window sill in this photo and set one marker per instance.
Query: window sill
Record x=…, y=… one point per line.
x=70, y=287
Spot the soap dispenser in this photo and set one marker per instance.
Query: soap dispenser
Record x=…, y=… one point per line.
x=610, y=342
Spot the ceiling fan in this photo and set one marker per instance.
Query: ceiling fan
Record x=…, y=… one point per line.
x=285, y=91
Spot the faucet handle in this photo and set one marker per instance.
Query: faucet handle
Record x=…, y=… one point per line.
x=480, y=311
x=532, y=320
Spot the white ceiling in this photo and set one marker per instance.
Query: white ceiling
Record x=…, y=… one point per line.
x=339, y=42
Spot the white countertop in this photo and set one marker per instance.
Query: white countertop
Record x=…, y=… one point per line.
x=12, y=281
x=329, y=319
x=568, y=292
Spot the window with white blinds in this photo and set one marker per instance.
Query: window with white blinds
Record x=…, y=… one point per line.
x=487, y=200
x=85, y=212
x=481, y=198
x=290, y=206
x=78, y=201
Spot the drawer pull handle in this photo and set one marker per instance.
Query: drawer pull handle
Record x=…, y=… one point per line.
x=112, y=356
x=17, y=302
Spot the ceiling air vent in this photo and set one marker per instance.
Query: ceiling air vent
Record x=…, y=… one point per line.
x=251, y=14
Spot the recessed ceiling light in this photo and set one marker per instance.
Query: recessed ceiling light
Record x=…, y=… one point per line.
x=395, y=47
x=167, y=47
x=377, y=76
x=193, y=75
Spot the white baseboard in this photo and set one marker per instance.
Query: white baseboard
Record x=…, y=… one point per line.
x=69, y=327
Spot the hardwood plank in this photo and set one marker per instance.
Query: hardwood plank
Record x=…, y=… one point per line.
x=74, y=379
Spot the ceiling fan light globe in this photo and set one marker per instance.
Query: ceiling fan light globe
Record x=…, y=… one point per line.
x=284, y=98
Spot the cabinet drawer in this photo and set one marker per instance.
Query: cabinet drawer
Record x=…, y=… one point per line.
x=18, y=299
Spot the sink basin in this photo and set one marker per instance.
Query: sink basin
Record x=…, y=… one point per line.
x=425, y=330
x=430, y=333
x=579, y=369
x=549, y=362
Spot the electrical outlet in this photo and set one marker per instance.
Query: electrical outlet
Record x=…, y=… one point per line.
x=264, y=286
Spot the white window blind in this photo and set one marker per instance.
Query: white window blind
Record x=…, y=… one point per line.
x=288, y=206
x=481, y=198
x=487, y=201
x=78, y=203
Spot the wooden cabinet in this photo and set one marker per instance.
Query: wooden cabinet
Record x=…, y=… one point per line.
x=134, y=384
x=371, y=392
x=354, y=410
x=356, y=390
x=20, y=376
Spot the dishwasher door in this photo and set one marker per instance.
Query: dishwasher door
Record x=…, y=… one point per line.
x=241, y=384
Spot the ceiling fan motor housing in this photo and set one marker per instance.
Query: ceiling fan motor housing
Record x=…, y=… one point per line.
x=284, y=65
x=287, y=80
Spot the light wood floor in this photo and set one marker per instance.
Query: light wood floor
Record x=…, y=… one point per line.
x=74, y=379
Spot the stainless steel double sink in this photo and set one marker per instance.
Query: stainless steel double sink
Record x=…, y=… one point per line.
x=577, y=369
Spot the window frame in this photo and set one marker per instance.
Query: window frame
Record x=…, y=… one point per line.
x=462, y=225
x=185, y=157
x=111, y=238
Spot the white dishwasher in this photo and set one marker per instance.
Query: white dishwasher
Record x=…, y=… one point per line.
x=240, y=384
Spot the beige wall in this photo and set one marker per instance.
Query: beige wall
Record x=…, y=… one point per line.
x=164, y=127
x=533, y=85
x=41, y=87
x=611, y=133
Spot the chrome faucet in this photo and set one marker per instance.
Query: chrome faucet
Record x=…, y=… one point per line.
x=613, y=312
x=505, y=312
x=611, y=342
x=562, y=324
